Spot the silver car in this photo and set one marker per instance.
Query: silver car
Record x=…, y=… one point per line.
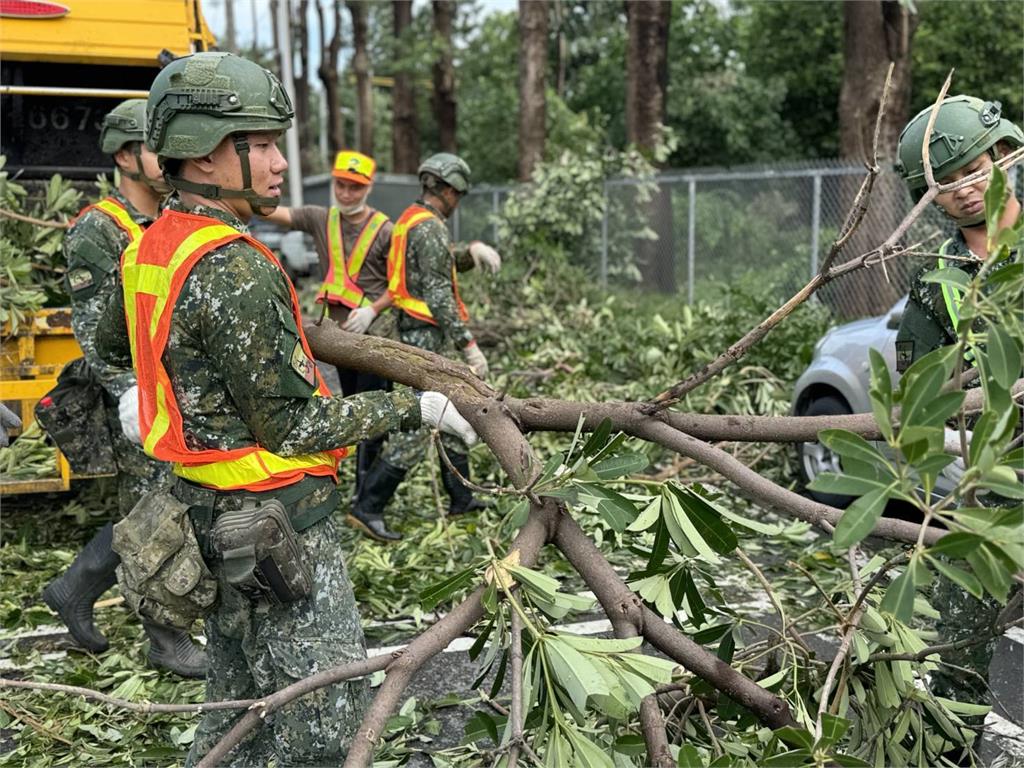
x=837, y=382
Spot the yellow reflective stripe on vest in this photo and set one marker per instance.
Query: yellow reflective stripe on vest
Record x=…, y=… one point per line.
x=343, y=274
x=116, y=211
x=362, y=247
x=397, y=284
x=249, y=469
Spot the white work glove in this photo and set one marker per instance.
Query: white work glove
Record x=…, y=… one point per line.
x=128, y=412
x=438, y=411
x=475, y=360
x=359, y=319
x=485, y=256
x=8, y=420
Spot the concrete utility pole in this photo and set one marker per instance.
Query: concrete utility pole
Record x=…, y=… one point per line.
x=284, y=45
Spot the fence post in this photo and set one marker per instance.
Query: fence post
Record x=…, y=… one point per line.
x=691, y=238
x=604, y=239
x=815, y=223
x=494, y=220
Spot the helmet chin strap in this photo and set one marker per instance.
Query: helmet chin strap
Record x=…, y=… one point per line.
x=261, y=206
x=159, y=186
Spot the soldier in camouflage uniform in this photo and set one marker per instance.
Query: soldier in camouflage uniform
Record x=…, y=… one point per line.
x=967, y=136
x=228, y=340
x=93, y=248
x=422, y=268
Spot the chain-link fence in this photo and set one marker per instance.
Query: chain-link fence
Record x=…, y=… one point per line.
x=769, y=227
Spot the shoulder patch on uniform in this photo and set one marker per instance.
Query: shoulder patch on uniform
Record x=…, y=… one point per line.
x=80, y=279
x=302, y=365
x=904, y=354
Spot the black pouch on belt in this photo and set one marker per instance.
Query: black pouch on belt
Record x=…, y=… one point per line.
x=261, y=554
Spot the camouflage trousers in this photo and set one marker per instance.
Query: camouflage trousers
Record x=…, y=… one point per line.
x=963, y=616
x=137, y=473
x=406, y=449
x=256, y=648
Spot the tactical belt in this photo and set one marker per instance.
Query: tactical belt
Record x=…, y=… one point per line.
x=203, y=502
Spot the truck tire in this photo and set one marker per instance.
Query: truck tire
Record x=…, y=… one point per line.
x=814, y=458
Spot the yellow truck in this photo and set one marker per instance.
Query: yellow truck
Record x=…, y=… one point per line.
x=63, y=65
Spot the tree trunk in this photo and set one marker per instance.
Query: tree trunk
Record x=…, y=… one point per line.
x=303, y=119
x=875, y=33
x=361, y=67
x=273, y=22
x=561, y=49
x=533, y=65
x=230, y=38
x=444, y=99
x=405, y=129
x=646, y=96
x=328, y=72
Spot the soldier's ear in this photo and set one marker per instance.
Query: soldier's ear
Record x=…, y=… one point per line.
x=124, y=159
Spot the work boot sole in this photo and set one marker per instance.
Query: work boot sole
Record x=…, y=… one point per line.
x=359, y=525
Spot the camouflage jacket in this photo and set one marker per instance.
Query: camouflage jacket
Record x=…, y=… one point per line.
x=926, y=324
x=93, y=248
x=428, y=274
x=237, y=368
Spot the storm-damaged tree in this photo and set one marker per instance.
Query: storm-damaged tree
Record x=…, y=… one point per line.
x=533, y=65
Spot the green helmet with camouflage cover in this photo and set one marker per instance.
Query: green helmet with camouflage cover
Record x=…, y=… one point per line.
x=964, y=128
x=197, y=101
x=123, y=124
x=449, y=168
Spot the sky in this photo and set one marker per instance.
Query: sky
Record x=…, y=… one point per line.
x=254, y=15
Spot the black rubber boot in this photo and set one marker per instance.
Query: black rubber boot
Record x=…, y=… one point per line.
x=174, y=650
x=73, y=594
x=366, y=455
x=462, y=499
x=367, y=513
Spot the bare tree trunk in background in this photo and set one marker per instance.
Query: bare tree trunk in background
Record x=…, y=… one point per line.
x=562, y=49
x=361, y=67
x=303, y=118
x=273, y=20
x=328, y=72
x=646, y=97
x=405, y=129
x=444, y=99
x=255, y=28
x=533, y=66
x=875, y=33
x=230, y=41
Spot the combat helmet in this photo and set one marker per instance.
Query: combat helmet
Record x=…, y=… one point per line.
x=964, y=128
x=449, y=168
x=126, y=124
x=197, y=101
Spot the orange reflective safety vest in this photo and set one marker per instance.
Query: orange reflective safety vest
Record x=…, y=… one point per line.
x=341, y=284
x=118, y=213
x=154, y=270
x=414, y=216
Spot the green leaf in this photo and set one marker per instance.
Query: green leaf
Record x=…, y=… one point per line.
x=437, y=593
x=796, y=757
x=995, y=200
x=881, y=393
x=707, y=522
x=958, y=544
x=846, y=485
x=689, y=757
x=1003, y=356
x=797, y=737
x=685, y=533
x=990, y=571
x=648, y=517
x=574, y=671
x=586, y=754
x=600, y=644
x=616, y=509
x=848, y=444
x=860, y=517
x=833, y=729
x=966, y=580
x=617, y=466
x=597, y=437
x=849, y=761
x=948, y=276
x=899, y=597
x=1003, y=481
x=481, y=725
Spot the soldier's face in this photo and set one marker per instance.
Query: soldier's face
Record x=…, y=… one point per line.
x=968, y=201
x=266, y=165
x=150, y=167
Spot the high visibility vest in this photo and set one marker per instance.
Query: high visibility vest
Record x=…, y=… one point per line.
x=113, y=209
x=414, y=216
x=951, y=295
x=154, y=270
x=341, y=286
